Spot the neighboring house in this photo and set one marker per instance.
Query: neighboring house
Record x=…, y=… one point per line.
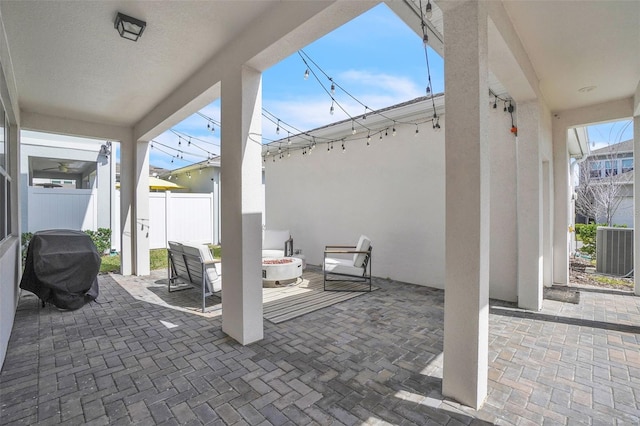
x=69, y=183
x=610, y=169
x=204, y=177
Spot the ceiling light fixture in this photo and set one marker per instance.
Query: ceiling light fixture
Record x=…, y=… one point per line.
x=128, y=27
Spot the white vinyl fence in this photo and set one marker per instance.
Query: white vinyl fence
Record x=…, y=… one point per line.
x=172, y=216
x=58, y=208
x=180, y=217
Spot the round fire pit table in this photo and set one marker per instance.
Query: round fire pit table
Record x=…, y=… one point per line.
x=280, y=270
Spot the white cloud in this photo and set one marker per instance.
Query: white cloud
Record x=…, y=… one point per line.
x=398, y=87
x=375, y=90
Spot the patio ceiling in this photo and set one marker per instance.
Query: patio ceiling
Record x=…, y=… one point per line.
x=69, y=61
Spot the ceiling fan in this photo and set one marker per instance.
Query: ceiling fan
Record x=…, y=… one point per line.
x=62, y=167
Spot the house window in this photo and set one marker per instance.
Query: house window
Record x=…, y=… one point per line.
x=596, y=169
x=627, y=165
x=610, y=168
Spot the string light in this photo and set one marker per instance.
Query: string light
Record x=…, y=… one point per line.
x=417, y=130
x=278, y=128
x=331, y=109
x=211, y=123
x=343, y=147
x=368, y=138
x=333, y=88
x=353, y=129
x=306, y=74
x=425, y=40
x=394, y=129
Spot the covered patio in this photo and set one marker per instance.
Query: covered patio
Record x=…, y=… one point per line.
x=375, y=359
x=72, y=74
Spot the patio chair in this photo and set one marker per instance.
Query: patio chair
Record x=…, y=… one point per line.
x=195, y=264
x=277, y=243
x=356, y=269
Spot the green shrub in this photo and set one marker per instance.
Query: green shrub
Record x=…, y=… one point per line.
x=101, y=238
x=26, y=238
x=587, y=234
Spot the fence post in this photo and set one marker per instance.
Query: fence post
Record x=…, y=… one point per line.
x=167, y=217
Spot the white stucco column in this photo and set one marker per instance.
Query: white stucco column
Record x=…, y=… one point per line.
x=134, y=207
x=127, y=191
x=529, y=195
x=103, y=178
x=560, y=204
x=466, y=311
x=241, y=165
x=141, y=223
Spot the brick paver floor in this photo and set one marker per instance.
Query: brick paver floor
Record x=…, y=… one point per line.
x=375, y=359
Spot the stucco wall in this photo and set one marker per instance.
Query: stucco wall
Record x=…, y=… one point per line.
x=504, y=255
x=392, y=191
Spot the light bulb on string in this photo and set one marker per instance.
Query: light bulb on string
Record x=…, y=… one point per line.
x=306, y=74
x=328, y=148
x=386, y=131
x=428, y=90
x=343, y=148
x=428, y=10
x=369, y=138
x=333, y=88
x=425, y=38
x=278, y=128
x=364, y=116
x=505, y=106
x=353, y=129
x=189, y=143
x=495, y=103
x=288, y=153
x=288, y=138
x=417, y=130
x=393, y=131
x=180, y=140
x=331, y=109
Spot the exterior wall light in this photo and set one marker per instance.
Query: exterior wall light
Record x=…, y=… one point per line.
x=128, y=27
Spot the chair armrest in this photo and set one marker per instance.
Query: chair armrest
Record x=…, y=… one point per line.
x=339, y=247
x=346, y=251
x=211, y=262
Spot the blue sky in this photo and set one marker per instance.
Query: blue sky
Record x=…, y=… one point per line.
x=380, y=68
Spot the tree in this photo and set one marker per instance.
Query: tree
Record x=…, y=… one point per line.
x=601, y=189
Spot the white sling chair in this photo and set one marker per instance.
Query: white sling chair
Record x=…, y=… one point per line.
x=356, y=269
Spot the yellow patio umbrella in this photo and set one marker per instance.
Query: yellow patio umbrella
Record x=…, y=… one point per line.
x=158, y=184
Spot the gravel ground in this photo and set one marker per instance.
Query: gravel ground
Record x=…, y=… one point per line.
x=578, y=276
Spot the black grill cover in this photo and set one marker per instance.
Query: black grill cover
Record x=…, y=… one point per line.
x=62, y=268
